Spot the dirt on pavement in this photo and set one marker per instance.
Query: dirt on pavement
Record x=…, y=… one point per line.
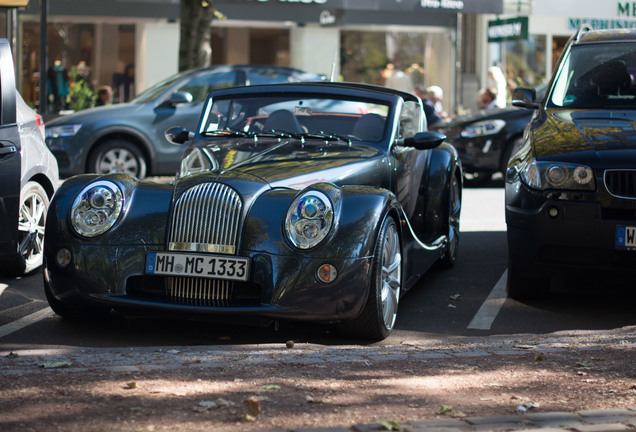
x=299, y=385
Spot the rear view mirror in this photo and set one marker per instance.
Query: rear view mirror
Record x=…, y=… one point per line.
x=179, y=135
x=423, y=140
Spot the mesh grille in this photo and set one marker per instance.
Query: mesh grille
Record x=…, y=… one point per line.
x=206, y=219
x=621, y=183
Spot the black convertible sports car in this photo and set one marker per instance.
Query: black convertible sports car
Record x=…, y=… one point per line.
x=322, y=202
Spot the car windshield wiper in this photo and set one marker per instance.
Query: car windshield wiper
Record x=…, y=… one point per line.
x=229, y=133
x=326, y=137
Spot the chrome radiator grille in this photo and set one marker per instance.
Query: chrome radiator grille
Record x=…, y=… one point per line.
x=621, y=183
x=206, y=218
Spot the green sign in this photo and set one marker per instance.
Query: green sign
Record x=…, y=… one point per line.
x=508, y=29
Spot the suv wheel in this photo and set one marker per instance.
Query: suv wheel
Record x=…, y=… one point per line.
x=118, y=156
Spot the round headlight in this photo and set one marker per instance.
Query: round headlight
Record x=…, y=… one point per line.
x=96, y=209
x=309, y=219
x=583, y=175
x=557, y=175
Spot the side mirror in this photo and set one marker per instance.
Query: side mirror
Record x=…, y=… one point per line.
x=178, y=98
x=525, y=98
x=423, y=140
x=179, y=135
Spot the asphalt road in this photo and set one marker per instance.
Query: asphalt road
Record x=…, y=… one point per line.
x=468, y=300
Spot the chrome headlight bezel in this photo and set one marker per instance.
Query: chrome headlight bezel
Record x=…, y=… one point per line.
x=557, y=175
x=309, y=219
x=483, y=128
x=97, y=208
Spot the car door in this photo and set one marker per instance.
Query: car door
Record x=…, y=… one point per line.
x=10, y=170
x=167, y=115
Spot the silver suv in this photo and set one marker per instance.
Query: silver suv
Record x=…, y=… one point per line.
x=28, y=176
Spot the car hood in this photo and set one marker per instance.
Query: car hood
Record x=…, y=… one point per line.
x=598, y=138
x=295, y=164
x=122, y=110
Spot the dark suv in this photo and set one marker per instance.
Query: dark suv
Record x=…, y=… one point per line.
x=571, y=184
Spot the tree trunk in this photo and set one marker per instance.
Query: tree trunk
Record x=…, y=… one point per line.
x=195, y=50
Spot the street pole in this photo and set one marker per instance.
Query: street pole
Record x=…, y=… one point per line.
x=44, y=54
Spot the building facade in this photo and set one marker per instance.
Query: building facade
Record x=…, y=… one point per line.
x=131, y=44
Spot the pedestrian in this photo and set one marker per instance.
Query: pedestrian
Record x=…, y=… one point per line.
x=104, y=96
x=487, y=97
x=435, y=94
x=429, y=108
x=497, y=80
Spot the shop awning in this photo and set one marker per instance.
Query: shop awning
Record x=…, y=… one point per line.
x=13, y=3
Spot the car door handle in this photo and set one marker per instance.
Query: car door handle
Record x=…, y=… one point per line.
x=7, y=150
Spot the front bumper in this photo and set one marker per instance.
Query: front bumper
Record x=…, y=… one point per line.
x=569, y=232
x=279, y=287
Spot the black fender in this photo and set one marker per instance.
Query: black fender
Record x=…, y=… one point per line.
x=443, y=164
x=358, y=213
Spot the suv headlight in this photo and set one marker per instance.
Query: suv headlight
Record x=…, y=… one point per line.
x=96, y=208
x=557, y=175
x=62, y=131
x=309, y=219
x=487, y=127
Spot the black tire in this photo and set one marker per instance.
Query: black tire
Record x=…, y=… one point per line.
x=380, y=311
x=521, y=287
x=449, y=258
x=118, y=156
x=34, y=204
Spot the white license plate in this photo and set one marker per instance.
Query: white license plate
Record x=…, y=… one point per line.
x=625, y=236
x=198, y=265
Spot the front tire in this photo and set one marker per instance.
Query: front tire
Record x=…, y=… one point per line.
x=34, y=204
x=449, y=258
x=118, y=156
x=380, y=311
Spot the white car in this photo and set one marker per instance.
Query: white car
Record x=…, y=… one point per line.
x=28, y=176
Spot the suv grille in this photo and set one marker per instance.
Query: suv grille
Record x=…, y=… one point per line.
x=621, y=183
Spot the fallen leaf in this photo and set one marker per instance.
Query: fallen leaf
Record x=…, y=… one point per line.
x=445, y=409
x=131, y=385
x=390, y=425
x=290, y=344
x=173, y=351
x=252, y=408
x=539, y=357
x=456, y=297
x=12, y=355
x=452, y=306
x=270, y=387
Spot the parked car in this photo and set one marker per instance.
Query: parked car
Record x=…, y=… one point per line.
x=571, y=185
x=485, y=138
x=28, y=176
x=129, y=137
x=321, y=202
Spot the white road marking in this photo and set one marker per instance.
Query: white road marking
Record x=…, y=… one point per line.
x=489, y=310
x=25, y=321
x=3, y=287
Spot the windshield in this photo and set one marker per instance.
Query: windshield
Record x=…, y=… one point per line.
x=597, y=76
x=363, y=120
x=156, y=90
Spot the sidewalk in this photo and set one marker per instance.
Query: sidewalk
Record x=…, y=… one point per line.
x=566, y=381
